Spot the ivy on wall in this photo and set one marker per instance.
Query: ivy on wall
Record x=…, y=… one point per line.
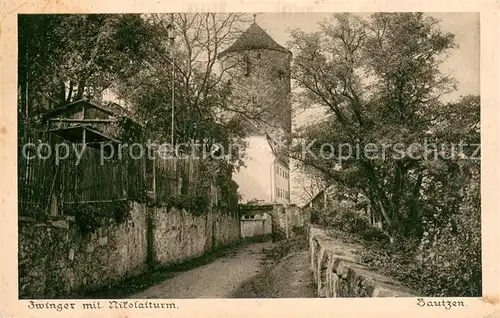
x=194, y=204
x=90, y=216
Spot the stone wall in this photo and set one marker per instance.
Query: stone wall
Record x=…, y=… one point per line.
x=227, y=229
x=179, y=236
x=337, y=273
x=289, y=220
x=279, y=224
x=297, y=217
x=56, y=261
x=256, y=225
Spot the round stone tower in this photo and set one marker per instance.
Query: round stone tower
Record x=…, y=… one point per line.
x=258, y=70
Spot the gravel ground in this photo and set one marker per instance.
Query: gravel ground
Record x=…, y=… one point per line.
x=217, y=279
x=286, y=274
x=258, y=270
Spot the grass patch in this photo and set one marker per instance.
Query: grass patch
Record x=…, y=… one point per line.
x=263, y=285
x=282, y=248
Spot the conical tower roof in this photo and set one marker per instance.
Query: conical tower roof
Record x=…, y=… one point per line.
x=255, y=38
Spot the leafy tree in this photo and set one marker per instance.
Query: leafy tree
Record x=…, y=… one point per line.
x=63, y=58
x=201, y=92
x=308, y=182
x=379, y=78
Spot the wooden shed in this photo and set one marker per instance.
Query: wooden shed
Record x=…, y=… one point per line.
x=85, y=121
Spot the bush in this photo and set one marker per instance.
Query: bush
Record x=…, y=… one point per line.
x=194, y=204
x=89, y=217
x=453, y=270
x=374, y=234
x=445, y=261
x=345, y=219
x=299, y=231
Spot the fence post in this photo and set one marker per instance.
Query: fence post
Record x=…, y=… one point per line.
x=154, y=180
x=150, y=214
x=124, y=179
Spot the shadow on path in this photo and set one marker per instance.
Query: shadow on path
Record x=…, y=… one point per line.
x=282, y=277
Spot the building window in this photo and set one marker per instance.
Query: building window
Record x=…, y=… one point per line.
x=259, y=56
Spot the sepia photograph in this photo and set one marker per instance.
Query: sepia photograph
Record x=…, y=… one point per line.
x=190, y=155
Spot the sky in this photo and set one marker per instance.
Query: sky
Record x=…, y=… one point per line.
x=463, y=62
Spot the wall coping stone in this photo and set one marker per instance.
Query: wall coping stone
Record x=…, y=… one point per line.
x=338, y=273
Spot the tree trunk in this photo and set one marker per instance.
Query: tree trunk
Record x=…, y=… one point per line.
x=70, y=92
x=81, y=89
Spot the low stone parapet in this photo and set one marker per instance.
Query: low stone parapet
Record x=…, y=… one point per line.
x=337, y=272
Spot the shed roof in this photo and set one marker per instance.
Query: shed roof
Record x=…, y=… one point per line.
x=255, y=38
x=109, y=108
x=256, y=208
x=74, y=134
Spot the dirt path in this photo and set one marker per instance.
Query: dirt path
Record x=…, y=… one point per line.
x=218, y=279
x=288, y=277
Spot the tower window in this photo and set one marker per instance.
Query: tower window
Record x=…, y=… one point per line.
x=281, y=74
x=259, y=56
x=247, y=65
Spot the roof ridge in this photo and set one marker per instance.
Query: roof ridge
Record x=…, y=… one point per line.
x=255, y=37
